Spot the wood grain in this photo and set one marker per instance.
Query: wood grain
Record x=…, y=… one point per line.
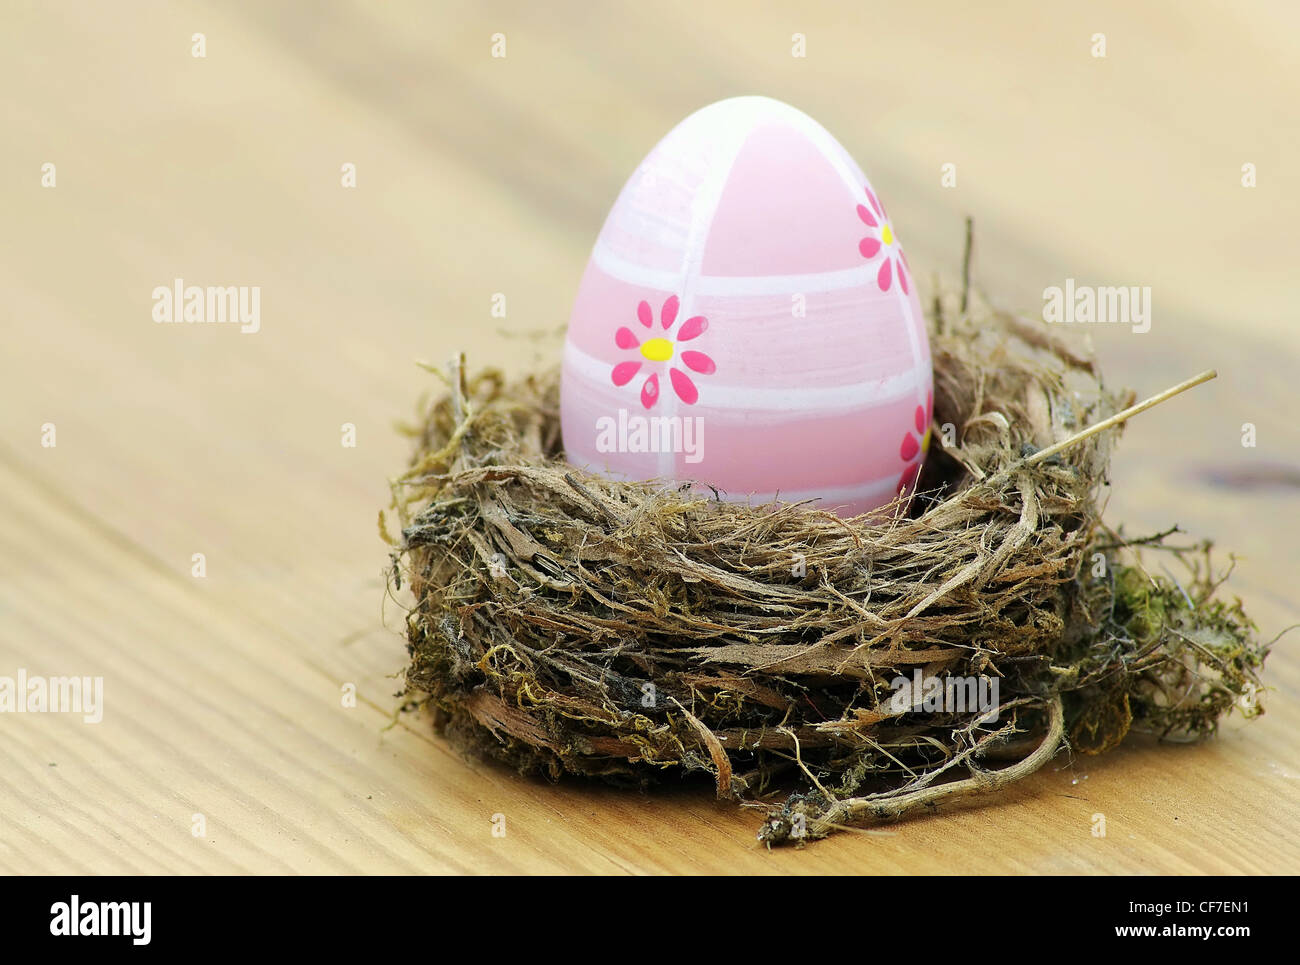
x=477, y=176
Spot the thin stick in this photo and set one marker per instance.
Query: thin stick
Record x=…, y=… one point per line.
x=885, y=807
x=456, y=376
x=965, y=265
x=1119, y=417
x=938, y=307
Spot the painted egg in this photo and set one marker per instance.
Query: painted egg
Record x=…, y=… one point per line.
x=748, y=322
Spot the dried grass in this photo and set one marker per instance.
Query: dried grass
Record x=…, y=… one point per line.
x=563, y=622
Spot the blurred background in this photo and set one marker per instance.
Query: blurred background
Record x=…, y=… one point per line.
x=477, y=175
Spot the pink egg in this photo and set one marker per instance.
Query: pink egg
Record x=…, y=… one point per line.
x=748, y=321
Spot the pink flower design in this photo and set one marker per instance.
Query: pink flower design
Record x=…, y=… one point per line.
x=663, y=349
x=915, y=446
x=894, y=262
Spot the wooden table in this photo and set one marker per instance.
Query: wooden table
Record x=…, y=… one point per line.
x=225, y=694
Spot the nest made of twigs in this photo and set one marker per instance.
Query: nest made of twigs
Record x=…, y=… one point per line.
x=564, y=622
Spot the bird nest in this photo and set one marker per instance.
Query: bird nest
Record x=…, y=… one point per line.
x=825, y=670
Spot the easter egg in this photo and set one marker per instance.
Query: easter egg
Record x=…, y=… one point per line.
x=748, y=322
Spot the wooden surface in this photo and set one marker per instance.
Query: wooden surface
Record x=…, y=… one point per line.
x=478, y=175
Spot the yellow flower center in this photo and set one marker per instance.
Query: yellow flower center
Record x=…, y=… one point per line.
x=887, y=234
x=657, y=350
